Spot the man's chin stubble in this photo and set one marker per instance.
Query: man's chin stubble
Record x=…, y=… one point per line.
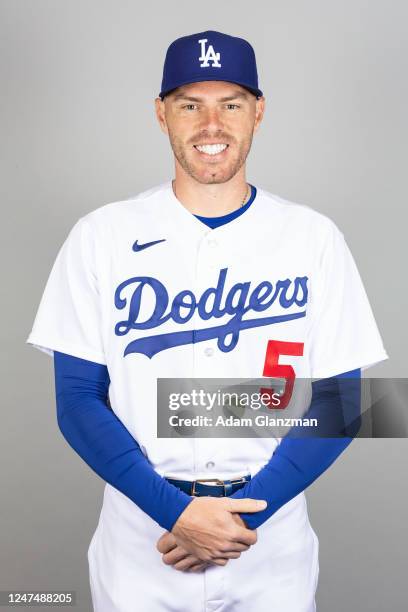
x=210, y=178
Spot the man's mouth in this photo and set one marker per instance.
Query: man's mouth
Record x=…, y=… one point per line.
x=211, y=149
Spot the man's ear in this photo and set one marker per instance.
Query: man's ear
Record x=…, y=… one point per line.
x=259, y=112
x=161, y=114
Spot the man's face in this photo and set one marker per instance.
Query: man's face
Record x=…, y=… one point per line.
x=215, y=113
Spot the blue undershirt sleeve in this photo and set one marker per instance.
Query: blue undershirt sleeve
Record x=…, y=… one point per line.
x=298, y=461
x=94, y=431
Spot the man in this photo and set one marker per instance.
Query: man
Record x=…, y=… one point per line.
x=203, y=276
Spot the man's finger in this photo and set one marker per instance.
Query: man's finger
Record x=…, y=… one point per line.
x=246, y=536
x=219, y=561
x=166, y=543
x=236, y=547
x=185, y=563
x=175, y=555
x=239, y=520
x=245, y=505
x=197, y=567
x=230, y=554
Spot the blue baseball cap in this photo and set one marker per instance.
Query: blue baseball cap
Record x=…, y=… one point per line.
x=210, y=56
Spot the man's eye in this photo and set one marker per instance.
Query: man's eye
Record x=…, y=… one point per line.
x=189, y=106
x=233, y=105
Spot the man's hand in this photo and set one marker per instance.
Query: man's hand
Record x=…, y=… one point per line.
x=180, y=559
x=208, y=531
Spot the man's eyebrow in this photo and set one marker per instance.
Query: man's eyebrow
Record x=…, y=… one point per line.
x=235, y=96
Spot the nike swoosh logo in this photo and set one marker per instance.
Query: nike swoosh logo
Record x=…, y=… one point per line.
x=139, y=247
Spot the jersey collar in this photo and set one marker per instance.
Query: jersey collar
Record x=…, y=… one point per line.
x=182, y=216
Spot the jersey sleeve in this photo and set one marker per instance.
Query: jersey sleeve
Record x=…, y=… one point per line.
x=343, y=335
x=68, y=318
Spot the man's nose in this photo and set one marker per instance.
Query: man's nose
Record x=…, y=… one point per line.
x=211, y=120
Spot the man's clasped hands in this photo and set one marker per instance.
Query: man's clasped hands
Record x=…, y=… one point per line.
x=209, y=532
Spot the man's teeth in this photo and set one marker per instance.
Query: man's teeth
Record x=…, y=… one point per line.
x=212, y=149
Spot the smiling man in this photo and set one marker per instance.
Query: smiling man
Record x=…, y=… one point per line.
x=210, y=126
x=204, y=276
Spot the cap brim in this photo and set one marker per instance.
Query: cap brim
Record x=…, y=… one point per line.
x=253, y=90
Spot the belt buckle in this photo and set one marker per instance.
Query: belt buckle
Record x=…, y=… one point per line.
x=216, y=481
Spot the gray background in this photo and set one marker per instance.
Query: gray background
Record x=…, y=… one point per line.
x=78, y=131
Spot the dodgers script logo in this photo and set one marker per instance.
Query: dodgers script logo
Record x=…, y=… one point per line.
x=238, y=302
x=208, y=56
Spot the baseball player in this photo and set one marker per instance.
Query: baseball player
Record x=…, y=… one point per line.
x=203, y=276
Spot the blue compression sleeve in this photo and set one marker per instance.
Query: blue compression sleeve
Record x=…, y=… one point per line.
x=100, y=438
x=297, y=461
x=95, y=432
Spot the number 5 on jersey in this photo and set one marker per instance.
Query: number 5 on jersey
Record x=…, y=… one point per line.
x=273, y=369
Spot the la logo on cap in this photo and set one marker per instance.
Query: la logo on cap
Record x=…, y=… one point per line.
x=208, y=56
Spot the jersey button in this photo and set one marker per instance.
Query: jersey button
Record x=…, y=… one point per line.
x=209, y=465
x=208, y=351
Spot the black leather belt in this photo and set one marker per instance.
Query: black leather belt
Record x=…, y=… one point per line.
x=210, y=486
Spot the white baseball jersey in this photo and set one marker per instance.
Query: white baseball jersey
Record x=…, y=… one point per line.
x=146, y=288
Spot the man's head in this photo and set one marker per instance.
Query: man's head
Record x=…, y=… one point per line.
x=210, y=96
x=210, y=113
